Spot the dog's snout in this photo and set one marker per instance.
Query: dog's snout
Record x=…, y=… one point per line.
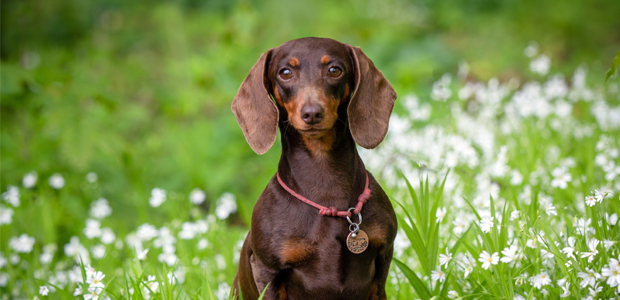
x=312, y=113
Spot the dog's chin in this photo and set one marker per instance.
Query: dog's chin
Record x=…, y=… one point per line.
x=313, y=133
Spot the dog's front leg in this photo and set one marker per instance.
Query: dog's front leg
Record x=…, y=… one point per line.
x=263, y=275
x=382, y=267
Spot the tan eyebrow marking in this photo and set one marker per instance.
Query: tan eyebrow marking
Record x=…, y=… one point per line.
x=325, y=59
x=294, y=62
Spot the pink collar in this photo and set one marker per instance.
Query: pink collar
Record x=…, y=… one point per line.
x=330, y=211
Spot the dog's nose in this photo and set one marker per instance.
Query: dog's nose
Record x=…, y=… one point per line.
x=312, y=113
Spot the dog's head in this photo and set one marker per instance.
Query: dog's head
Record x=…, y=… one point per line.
x=310, y=78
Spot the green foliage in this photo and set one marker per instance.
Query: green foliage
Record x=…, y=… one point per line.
x=613, y=69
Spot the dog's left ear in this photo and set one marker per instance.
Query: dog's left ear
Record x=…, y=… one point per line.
x=256, y=113
x=371, y=102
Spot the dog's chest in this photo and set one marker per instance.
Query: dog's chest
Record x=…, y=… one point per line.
x=323, y=244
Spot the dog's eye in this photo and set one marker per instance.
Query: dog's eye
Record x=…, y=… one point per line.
x=334, y=72
x=286, y=74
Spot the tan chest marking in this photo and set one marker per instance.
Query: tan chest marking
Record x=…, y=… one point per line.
x=294, y=251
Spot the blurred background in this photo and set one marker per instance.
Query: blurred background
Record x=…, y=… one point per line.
x=139, y=92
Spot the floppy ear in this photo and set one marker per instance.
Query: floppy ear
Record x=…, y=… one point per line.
x=371, y=103
x=255, y=111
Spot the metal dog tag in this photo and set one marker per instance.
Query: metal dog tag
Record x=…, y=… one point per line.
x=357, y=242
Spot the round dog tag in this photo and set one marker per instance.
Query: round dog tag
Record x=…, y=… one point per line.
x=357, y=242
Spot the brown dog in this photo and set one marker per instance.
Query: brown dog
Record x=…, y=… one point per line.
x=328, y=96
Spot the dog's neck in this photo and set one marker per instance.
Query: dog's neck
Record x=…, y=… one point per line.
x=334, y=177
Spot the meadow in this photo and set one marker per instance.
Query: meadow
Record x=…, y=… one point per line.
x=125, y=175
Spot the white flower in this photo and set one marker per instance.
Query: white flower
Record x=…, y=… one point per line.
x=30, y=180
x=56, y=181
x=92, y=229
x=600, y=195
x=168, y=256
x=438, y=275
x=560, y=178
x=146, y=232
x=152, y=283
x=595, y=290
x=15, y=259
x=515, y=177
x=467, y=263
x=565, y=290
x=93, y=293
x=510, y=254
x=486, y=224
x=98, y=251
x=453, y=294
x=531, y=50
x=612, y=219
x=544, y=254
x=6, y=215
x=90, y=271
x=197, y=196
x=441, y=90
x=96, y=279
x=520, y=280
x=570, y=249
x=459, y=225
x=223, y=290
x=78, y=292
x=158, y=196
x=11, y=195
x=487, y=260
x=92, y=177
x=608, y=243
x=514, y=215
x=44, y=290
x=203, y=244
x=220, y=262
x=226, y=205
x=107, y=236
x=549, y=209
x=582, y=226
x=171, y=278
x=441, y=213
x=73, y=247
x=592, y=244
x=165, y=238
x=612, y=272
x=588, y=277
x=100, y=208
x=4, y=279
x=22, y=244
x=590, y=201
x=142, y=254
x=188, y=231
x=539, y=280
x=540, y=65
x=444, y=259
x=75, y=275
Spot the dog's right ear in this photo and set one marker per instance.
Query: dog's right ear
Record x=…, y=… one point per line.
x=256, y=113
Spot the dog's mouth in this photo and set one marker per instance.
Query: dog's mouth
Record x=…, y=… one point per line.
x=314, y=132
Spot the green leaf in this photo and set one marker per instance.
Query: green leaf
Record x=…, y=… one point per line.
x=418, y=246
x=415, y=281
x=614, y=67
x=414, y=197
x=264, y=291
